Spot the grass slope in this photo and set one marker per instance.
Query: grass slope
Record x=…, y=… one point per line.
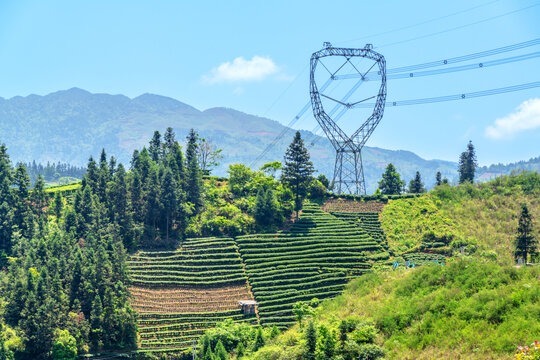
x=481, y=217
x=464, y=310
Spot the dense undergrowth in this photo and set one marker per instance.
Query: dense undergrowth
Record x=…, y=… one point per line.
x=466, y=309
x=482, y=218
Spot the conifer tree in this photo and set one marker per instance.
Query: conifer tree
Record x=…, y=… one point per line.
x=416, y=186
x=169, y=139
x=525, y=242
x=152, y=199
x=121, y=209
x=219, y=352
x=467, y=164
x=297, y=170
x=266, y=207
x=193, y=183
x=438, y=178
x=58, y=204
x=391, y=183
x=259, y=340
x=310, y=336
x=112, y=167
x=240, y=350
x=38, y=194
x=169, y=200
x=92, y=174
x=155, y=147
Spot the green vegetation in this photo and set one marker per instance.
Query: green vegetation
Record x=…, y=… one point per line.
x=179, y=294
x=391, y=183
x=525, y=242
x=483, y=218
x=467, y=309
x=297, y=171
x=467, y=164
x=63, y=286
x=314, y=258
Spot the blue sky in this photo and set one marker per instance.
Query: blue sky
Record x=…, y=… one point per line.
x=254, y=57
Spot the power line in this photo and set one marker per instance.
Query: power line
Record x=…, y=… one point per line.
x=465, y=57
x=454, y=97
x=409, y=75
x=459, y=27
x=418, y=24
x=398, y=73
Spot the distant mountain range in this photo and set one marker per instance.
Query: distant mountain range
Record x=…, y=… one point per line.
x=73, y=124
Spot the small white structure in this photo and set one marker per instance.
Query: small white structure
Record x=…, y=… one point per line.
x=248, y=306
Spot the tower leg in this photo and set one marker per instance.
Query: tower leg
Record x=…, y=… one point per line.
x=349, y=173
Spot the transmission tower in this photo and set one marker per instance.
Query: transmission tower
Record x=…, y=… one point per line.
x=348, y=169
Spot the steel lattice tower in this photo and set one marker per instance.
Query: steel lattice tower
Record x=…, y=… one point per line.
x=348, y=169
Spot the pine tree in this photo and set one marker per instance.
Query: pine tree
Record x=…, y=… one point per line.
x=391, y=183
x=152, y=199
x=525, y=242
x=169, y=200
x=438, y=178
x=467, y=164
x=22, y=182
x=112, y=167
x=58, y=205
x=266, y=207
x=92, y=174
x=121, y=208
x=169, y=139
x=155, y=147
x=240, y=350
x=416, y=186
x=259, y=340
x=219, y=352
x=38, y=194
x=297, y=170
x=310, y=336
x=193, y=183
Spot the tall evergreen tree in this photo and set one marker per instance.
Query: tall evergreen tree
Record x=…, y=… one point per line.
x=58, y=204
x=169, y=200
x=169, y=139
x=391, y=183
x=259, y=340
x=297, y=170
x=193, y=183
x=92, y=173
x=416, y=186
x=39, y=196
x=467, y=164
x=155, y=147
x=121, y=207
x=310, y=336
x=438, y=178
x=525, y=242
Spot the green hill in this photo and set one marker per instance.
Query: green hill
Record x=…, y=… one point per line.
x=70, y=125
x=467, y=309
x=482, y=218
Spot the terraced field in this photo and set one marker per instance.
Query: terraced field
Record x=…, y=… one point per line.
x=178, y=294
x=315, y=258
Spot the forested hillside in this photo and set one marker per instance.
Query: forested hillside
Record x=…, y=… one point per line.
x=70, y=125
x=199, y=245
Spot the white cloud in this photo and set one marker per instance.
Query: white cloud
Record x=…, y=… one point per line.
x=242, y=70
x=526, y=117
